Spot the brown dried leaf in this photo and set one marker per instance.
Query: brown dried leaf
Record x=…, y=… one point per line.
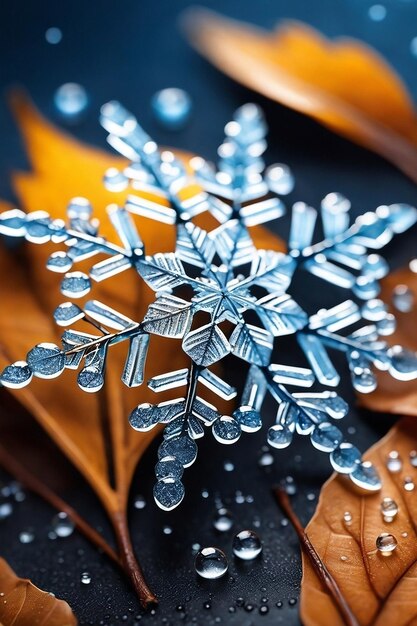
x=343, y=84
x=379, y=590
x=394, y=396
x=23, y=604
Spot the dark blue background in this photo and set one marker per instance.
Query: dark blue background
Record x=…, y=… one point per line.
x=127, y=50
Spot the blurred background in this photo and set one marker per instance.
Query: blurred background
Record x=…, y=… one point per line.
x=128, y=50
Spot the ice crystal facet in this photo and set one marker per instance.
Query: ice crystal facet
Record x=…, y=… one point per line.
x=220, y=295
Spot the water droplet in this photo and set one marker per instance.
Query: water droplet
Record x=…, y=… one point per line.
x=6, y=510
x=247, y=545
x=172, y=107
x=167, y=530
x=139, y=502
x=85, y=578
x=249, y=499
x=211, y=563
x=343, y=558
x=284, y=522
x=408, y=483
x=311, y=497
x=404, y=534
x=239, y=497
x=205, y=494
x=413, y=458
x=240, y=601
x=366, y=477
x=223, y=520
x=228, y=466
x=63, y=525
x=413, y=46
x=53, y=35
x=389, y=509
x=386, y=544
x=279, y=604
x=394, y=462
x=71, y=99
x=403, y=298
x=377, y=12
x=347, y=518
x=279, y=179
x=195, y=547
x=292, y=601
x=249, y=607
x=263, y=610
x=266, y=459
x=232, y=609
x=289, y=485
x=26, y=536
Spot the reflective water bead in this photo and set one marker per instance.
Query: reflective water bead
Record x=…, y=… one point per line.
x=279, y=179
x=413, y=458
x=17, y=375
x=347, y=518
x=211, y=563
x=168, y=466
x=59, y=262
x=247, y=545
x=63, y=525
x=265, y=459
x=386, y=544
x=389, y=509
x=223, y=520
x=85, y=578
x=377, y=12
x=345, y=458
x=6, y=510
x=26, y=536
x=288, y=483
x=343, y=558
x=403, y=363
x=71, y=99
x=250, y=420
x=139, y=502
x=182, y=448
x=75, y=285
x=402, y=298
x=53, y=35
x=167, y=530
x=366, y=476
x=46, y=360
x=172, y=107
x=394, y=462
x=409, y=483
x=279, y=436
x=228, y=466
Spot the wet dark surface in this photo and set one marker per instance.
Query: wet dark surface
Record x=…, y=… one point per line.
x=127, y=50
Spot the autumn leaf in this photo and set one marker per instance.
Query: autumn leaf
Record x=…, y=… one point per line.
x=82, y=424
x=343, y=83
x=391, y=395
x=380, y=590
x=23, y=604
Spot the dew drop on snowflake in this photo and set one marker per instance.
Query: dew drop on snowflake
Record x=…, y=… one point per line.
x=223, y=520
x=326, y=437
x=71, y=99
x=403, y=298
x=247, y=545
x=345, y=458
x=169, y=467
x=139, y=502
x=46, y=360
x=16, y=375
x=403, y=363
x=90, y=379
x=366, y=476
x=75, y=285
x=85, y=578
x=172, y=107
x=182, y=448
x=279, y=179
x=394, y=462
x=211, y=563
x=249, y=419
x=53, y=35
x=63, y=525
x=279, y=436
x=168, y=493
x=6, y=510
x=226, y=430
x=26, y=536
x=386, y=544
x=59, y=262
x=389, y=510
x=409, y=484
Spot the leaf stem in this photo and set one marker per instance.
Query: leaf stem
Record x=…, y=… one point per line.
x=318, y=565
x=29, y=480
x=130, y=564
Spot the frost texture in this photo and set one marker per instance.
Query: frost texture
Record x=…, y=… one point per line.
x=219, y=295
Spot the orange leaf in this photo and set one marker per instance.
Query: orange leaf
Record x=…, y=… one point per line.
x=395, y=396
x=380, y=590
x=23, y=604
x=344, y=84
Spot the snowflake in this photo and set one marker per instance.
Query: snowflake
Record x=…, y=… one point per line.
x=220, y=295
